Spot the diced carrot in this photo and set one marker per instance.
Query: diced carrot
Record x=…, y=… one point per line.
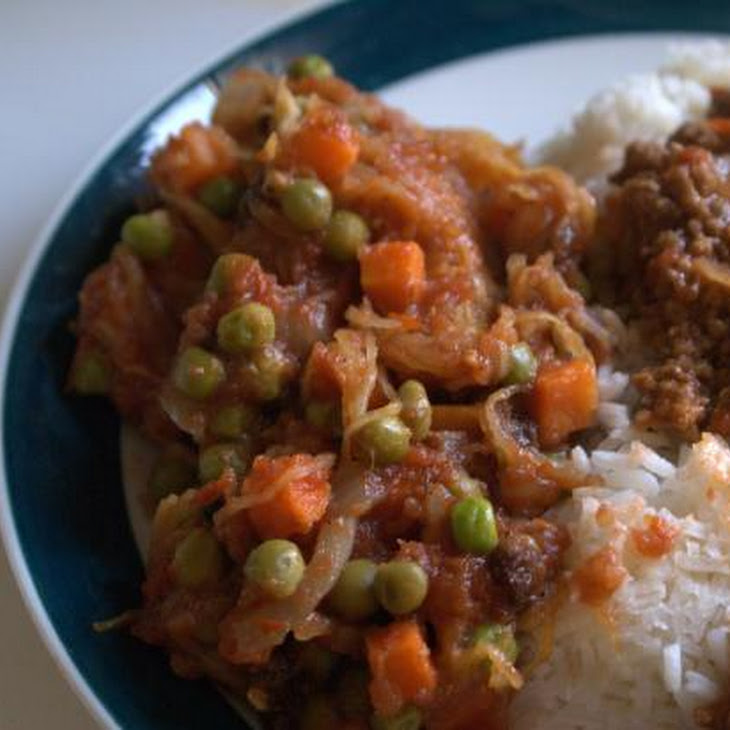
x=656, y=538
x=196, y=154
x=324, y=143
x=320, y=380
x=393, y=275
x=233, y=529
x=564, y=399
x=599, y=576
x=216, y=489
x=298, y=504
x=401, y=667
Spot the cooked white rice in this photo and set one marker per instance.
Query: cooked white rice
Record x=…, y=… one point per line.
x=658, y=649
x=647, y=107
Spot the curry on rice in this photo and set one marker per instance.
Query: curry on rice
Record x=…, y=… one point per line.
x=363, y=348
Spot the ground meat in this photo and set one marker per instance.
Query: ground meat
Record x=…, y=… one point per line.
x=665, y=231
x=720, y=102
x=528, y=559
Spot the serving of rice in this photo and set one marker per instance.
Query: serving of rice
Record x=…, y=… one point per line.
x=643, y=107
x=656, y=653
x=657, y=650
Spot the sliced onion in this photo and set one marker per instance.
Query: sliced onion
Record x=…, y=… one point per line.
x=391, y=409
x=215, y=232
x=530, y=324
x=254, y=627
x=503, y=674
x=250, y=631
x=356, y=354
x=529, y=481
x=316, y=624
x=364, y=318
x=184, y=412
x=600, y=328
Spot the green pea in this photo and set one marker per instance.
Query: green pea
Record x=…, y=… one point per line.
x=307, y=204
x=473, y=525
x=345, y=235
x=416, y=413
x=353, y=697
x=319, y=714
x=317, y=662
x=149, y=235
x=198, y=559
x=384, y=440
x=198, y=373
x=171, y=475
x=232, y=422
x=401, y=586
x=220, y=196
x=324, y=415
x=500, y=636
x=266, y=373
x=409, y=718
x=276, y=567
x=213, y=460
x=523, y=365
x=353, y=596
x=310, y=66
x=91, y=374
x=246, y=327
x=225, y=270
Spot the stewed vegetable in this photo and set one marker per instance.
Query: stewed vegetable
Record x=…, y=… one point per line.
x=198, y=559
x=220, y=196
x=198, y=373
x=246, y=327
x=307, y=204
x=345, y=235
x=523, y=365
x=276, y=567
x=225, y=270
x=384, y=440
x=149, y=235
x=416, y=413
x=214, y=460
x=232, y=422
x=474, y=526
x=91, y=375
x=401, y=586
x=353, y=596
x=310, y=66
x=348, y=337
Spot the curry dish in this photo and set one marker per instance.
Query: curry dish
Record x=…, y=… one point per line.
x=362, y=348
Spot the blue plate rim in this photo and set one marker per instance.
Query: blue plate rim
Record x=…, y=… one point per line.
x=17, y=298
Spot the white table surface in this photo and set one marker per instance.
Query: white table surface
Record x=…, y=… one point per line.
x=72, y=72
